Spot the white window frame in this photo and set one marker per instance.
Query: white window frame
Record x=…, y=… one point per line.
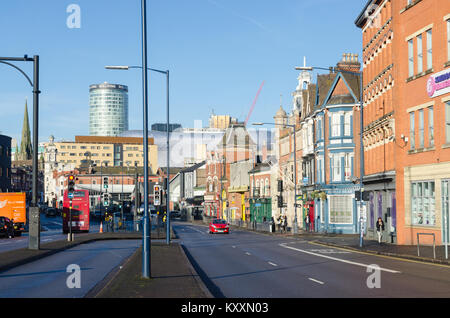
x=267, y=188
x=448, y=39
x=346, y=215
x=336, y=166
x=423, y=203
x=348, y=166
x=412, y=139
x=447, y=122
x=410, y=58
x=429, y=49
x=335, y=125
x=431, y=126
x=421, y=129
x=419, y=54
x=348, y=124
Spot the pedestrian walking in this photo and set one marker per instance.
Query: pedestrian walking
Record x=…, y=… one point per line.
x=284, y=223
x=307, y=222
x=272, y=225
x=380, y=229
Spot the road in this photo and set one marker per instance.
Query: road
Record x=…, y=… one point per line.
x=247, y=264
x=47, y=277
x=52, y=231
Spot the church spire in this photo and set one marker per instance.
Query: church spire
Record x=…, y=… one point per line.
x=25, y=145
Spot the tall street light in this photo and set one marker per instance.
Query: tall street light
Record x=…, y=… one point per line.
x=295, y=168
x=146, y=231
x=34, y=217
x=126, y=68
x=361, y=165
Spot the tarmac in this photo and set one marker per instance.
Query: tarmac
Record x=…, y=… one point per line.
x=172, y=274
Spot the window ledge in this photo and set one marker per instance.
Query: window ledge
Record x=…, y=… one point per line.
x=424, y=226
x=409, y=6
x=447, y=145
x=414, y=77
x=420, y=150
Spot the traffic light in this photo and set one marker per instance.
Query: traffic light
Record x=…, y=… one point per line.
x=280, y=185
x=105, y=182
x=71, y=184
x=156, y=194
x=105, y=199
x=280, y=201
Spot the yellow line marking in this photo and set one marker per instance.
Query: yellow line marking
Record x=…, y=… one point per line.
x=379, y=255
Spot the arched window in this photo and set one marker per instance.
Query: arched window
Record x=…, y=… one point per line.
x=261, y=190
x=257, y=193
x=267, y=188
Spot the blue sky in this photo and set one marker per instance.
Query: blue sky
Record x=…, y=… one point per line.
x=218, y=52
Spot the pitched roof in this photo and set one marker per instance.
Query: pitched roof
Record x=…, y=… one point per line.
x=324, y=83
x=236, y=136
x=193, y=167
x=328, y=84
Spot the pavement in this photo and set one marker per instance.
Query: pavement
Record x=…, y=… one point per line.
x=173, y=276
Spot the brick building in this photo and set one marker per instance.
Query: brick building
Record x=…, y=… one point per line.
x=407, y=115
x=378, y=27
x=423, y=100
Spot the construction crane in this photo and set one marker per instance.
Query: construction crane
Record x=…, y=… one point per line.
x=254, y=103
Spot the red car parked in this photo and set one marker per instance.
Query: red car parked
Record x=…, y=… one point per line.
x=219, y=226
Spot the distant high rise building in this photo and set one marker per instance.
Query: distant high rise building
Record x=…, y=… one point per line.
x=108, y=114
x=163, y=127
x=221, y=121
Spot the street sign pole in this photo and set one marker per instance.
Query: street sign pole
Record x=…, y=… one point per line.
x=70, y=238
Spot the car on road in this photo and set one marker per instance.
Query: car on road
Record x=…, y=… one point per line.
x=175, y=214
x=6, y=227
x=51, y=212
x=219, y=226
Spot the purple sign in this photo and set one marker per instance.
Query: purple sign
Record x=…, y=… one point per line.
x=439, y=83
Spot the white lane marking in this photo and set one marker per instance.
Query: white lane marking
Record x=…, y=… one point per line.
x=273, y=264
x=317, y=281
x=329, y=251
x=336, y=259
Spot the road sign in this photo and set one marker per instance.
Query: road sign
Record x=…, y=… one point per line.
x=70, y=195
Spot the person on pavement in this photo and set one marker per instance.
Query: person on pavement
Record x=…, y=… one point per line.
x=380, y=229
x=284, y=223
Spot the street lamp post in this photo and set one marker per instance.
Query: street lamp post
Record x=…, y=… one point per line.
x=361, y=165
x=34, y=226
x=295, y=170
x=146, y=231
x=125, y=68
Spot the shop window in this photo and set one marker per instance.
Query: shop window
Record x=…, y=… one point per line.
x=423, y=203
x=340, y=209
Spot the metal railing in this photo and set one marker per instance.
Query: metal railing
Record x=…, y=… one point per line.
x=434, y=243
x=132, y=226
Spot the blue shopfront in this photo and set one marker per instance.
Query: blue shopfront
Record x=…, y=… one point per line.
x=337, y=210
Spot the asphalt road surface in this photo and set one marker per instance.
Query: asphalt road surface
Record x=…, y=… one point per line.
x=247, y=264
x=52, y=231
x=56, y=276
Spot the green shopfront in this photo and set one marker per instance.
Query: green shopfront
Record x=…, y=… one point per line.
x=260, y=209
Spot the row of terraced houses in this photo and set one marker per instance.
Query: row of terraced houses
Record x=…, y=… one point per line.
x=402, y=82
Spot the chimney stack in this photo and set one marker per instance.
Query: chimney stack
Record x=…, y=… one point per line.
x=349, y=63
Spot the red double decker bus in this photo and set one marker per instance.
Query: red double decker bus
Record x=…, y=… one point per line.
x=79, y=211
